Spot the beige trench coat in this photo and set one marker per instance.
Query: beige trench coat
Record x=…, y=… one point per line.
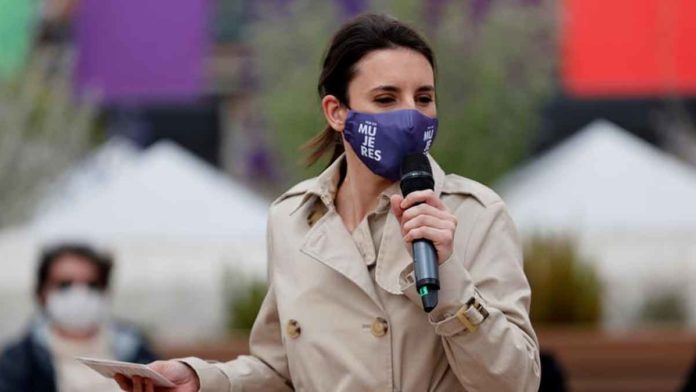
x=322, y=327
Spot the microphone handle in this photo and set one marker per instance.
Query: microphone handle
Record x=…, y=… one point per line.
x=426, y=271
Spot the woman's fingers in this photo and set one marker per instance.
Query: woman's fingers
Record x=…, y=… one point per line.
x=441, y=239
x=422, y=215
x=149, y=385
x=437, y=236
x=413, y=204
x=137, y=384
x=429, y=221
x=427, y=196
x=425, y=209
x=123, y=382
x=395, y=201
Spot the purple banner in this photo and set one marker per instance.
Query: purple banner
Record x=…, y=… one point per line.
x=142, y=50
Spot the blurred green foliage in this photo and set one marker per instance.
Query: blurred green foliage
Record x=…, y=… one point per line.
x=229, y=20
x=288, y=48
x=493, y=76
x=245, y=296
x=16, y=22
x=493, y=79
x=565, y=289
x=667, y=308
x=43, y=131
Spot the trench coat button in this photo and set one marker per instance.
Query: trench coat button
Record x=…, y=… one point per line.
x=293, y=329
x=379, y=327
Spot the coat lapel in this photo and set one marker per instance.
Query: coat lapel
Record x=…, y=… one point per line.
x=330, y=243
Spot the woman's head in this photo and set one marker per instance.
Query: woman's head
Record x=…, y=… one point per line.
x=374, y=64
x=72, y=280
x=64, y=265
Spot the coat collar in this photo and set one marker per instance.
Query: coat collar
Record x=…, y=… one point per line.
x=324, y=186
x=329, y=242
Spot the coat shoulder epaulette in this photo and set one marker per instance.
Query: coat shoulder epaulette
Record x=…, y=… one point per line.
x=298, y=189
x=455, y=184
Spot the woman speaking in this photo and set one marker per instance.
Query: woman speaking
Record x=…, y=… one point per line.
x=343, y=311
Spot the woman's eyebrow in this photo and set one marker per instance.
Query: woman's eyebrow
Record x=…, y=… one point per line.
x=387, y=88
x=390, y=88
x=427, y=88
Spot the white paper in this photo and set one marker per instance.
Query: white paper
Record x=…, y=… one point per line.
x=109, y=369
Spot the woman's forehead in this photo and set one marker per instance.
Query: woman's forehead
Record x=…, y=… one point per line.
x=398, y=67
x=70, y=265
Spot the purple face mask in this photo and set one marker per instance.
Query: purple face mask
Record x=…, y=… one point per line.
x=381, y=140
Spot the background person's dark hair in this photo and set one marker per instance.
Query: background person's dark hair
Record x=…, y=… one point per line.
x=50, y=255
x=358, y=37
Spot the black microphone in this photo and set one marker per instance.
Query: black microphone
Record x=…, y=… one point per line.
x=416, y=175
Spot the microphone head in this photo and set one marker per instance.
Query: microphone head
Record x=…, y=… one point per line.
x=414, y=162
x=416, y=173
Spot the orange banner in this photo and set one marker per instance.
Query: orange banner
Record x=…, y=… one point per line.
x=629, y=47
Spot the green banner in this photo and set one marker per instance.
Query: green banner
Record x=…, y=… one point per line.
x=16, y=23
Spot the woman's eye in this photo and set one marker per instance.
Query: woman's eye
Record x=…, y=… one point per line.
x=384, y=100
x=425, y=99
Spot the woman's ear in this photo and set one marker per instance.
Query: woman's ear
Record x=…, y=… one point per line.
x=334, y=112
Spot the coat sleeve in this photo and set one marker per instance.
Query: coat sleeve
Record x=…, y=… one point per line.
x=266, y=369
x=502, y=353
x=14, y=369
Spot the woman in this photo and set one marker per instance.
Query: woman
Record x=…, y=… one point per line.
x=72, y=295
x=342, y=312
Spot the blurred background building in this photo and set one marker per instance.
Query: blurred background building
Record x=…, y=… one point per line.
x=162, y=130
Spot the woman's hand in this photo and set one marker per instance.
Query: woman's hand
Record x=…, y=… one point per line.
x=177, y=372
x=429, y=220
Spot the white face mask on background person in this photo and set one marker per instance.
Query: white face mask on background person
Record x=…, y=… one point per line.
x=77, y=308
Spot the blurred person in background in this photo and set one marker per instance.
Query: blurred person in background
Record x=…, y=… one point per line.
x=553, y=378
x=72, y=291
x=690, y=384
x=342, y=312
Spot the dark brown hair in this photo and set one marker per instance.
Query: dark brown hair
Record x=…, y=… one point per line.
x=102, y=262
x=358, y=37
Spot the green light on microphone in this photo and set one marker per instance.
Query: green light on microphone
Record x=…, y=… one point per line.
x=423, y=290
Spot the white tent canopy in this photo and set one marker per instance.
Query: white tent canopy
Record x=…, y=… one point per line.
x=630, y=206
x=168, y=193
x=603, y=178
x=97, y=169
x=176, y=227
